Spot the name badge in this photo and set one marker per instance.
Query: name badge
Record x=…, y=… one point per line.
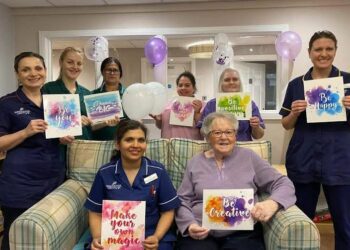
x=150, y=178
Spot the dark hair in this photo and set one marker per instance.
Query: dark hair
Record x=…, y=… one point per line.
x=110, y=60
x=22, y=55
x=188, y=75
x=122, y=128
x=322, y=34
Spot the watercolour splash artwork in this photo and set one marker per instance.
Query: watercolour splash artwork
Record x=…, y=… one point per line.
x=103, y=106
x=123, y=224
x=324, y=100
x=62, y=113
x=182, y=111
x=237, y=103
x=228, y=209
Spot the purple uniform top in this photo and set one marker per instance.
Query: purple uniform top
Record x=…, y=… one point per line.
x=242, y=169
x=244, y=132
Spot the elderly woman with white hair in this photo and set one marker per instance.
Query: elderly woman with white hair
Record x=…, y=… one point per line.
x=230, y=81
x=227, y=166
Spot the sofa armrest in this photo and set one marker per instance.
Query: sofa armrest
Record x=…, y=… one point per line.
x=291, y=229
x=55, y=222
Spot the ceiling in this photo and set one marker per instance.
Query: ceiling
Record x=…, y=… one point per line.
x=65, y=3
x=136, y=42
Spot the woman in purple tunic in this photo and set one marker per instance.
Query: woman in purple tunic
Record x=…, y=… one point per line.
x=230, y=81
x=226, y=166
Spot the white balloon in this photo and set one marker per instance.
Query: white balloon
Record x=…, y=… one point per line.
x=223, y=55
x=137, y=101
x=159, y=97
x=96, y=49
x=221, y=38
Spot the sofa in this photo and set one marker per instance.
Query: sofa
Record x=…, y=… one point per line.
x=59, y=220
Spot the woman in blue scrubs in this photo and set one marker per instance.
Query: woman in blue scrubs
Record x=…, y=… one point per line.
x=31, y=168
x=131, y=176
x=318, y=153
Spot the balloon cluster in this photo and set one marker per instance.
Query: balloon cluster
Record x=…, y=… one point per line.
x=155, y=50
x=139, y=99
x=96, y=49
x=288, y=45
x=222, y=52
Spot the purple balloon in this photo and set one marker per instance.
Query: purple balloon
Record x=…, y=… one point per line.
x=288, y=45
x=155, y=50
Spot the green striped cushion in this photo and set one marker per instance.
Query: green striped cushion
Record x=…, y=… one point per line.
x=55, y=222
x=181, y=150
x=291, y=229
x=86, y=157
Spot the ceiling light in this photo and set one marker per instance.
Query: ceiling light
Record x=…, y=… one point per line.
x=201, y=50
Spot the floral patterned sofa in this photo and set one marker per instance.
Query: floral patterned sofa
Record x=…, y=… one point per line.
x=58, y=221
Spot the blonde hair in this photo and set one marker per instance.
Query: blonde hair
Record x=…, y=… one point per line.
x=221, y=79
x=64, y=54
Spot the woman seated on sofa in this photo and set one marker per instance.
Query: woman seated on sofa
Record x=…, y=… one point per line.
x=226, y=166
x=129, y=169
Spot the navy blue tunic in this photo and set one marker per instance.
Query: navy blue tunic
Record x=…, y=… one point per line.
x=317, y=152
x=32, y=169
x=111, y=183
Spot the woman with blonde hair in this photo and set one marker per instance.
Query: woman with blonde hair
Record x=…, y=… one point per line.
x=230, y=81
x=71, y=66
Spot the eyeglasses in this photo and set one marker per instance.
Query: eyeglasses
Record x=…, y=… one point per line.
x=218, y=133
x=112, y=71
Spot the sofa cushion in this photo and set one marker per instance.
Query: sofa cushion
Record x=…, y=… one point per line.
x=181, y=150
x=86, y=157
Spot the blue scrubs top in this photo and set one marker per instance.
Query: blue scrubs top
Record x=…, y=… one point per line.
x=317, y=152
x=244, y=132
x=111, y=183
x=32, y=169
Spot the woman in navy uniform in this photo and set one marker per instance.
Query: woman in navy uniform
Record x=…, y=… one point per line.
x=131, y=176
x=31, y=168
x=318, y=153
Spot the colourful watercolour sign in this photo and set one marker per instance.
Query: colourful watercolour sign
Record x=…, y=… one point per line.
x=103, y=106
x=182, y=111
x=123, y=224
x=62, y=113
x=324, y=100
x=237, y=103
x=228, y=209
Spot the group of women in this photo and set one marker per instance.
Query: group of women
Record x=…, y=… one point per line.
x=317, y=155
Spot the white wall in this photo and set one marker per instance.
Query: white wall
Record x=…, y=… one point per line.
x=8, y=82
x=303, y=17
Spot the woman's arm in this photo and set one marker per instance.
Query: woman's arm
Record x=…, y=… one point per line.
x=257, y=131
x=197, y=105
x=164, y=223
x=10, y=141
x=298, y=106
x=95, y=220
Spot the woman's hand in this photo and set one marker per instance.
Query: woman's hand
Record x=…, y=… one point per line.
x=298, y=106
x=197, y=232
x=67, y=139
x=156, y=117
x=85, y=120
x=151, y=243
x=263, y=211
x=96, y=244
x=197, y=106
x=254, y=122
x=346, y=101
x=35, y=126
x=112, y=122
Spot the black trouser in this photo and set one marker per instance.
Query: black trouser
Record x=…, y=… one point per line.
x=9, y=214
